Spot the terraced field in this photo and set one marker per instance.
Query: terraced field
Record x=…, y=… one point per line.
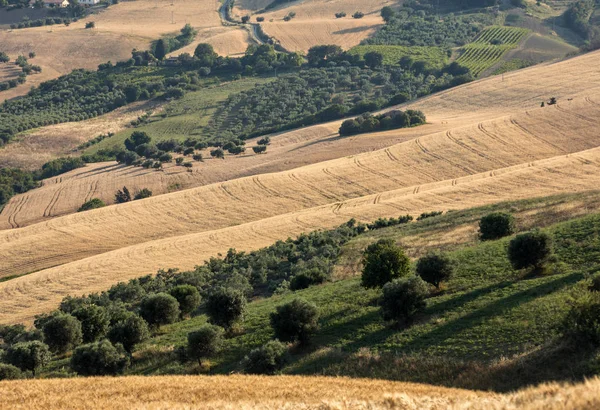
x=489, y=47
x=488, y=141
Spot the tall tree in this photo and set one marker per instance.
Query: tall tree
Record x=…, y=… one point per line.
x=161, y=49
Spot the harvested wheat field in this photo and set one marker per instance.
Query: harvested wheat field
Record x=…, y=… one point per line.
x=315, y=22
x=35, y=147
x=119, y=29
x=281, y=392
x=530, y=152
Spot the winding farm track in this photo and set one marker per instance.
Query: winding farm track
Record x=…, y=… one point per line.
x=486, y=142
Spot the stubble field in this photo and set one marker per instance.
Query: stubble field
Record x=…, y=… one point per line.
x=489, y=141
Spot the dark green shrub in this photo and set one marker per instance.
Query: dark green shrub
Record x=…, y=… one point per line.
x=403, y=298
x=159, y=309
x=307, y=278
x=9, y=372
x=129, y=332
x=99, y=359
x=205, y=342
x=582, y=323
x=28, y=356
x=225, y=307
x=188, y=298
x=383, y=261
x=435, y=268
x=295, y=321
x=268, y=359
x=143, y=193
x=122, y=196
x=62, y=333
x=531, y=249
x=94, y=322
x=496, y=225
x=91, y=204
x=595, y=285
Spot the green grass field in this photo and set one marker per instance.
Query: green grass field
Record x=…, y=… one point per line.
x=186, y=117
x=434, y=56
x=487, y=317
x=489, y=47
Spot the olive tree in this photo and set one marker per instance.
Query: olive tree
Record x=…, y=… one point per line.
x=531, y=249
x=225, y=307
x=267, y=359
x=403, y=298
x=28, y=355
x=383, y=261
x=205, y=342
x=99, y=359
x=159, y=309
x=62, y=333
x=129, y=332
x=435, y=268
x=295, y=321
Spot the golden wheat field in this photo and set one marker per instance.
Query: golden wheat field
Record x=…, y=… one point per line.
x=119, y=29
x=281, y=392
x=520, y=151
x=315, y=22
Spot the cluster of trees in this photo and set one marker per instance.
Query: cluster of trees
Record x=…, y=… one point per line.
x=577, y=17
x=388, y=121
x=419, y=24
x=322, y=94
x=48, y=21
x=163, y=47
x=121, y=196
x=404, y=294
x=26, y=69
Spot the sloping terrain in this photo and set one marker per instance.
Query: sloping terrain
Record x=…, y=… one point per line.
x=315, y=22
x=283, y=392
x=119, y=29
x=520, y=151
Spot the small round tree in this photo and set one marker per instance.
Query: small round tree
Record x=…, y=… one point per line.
x=28, y=355
x=225, y=307
x=496, y=225
x=403, y=298
x=62, y=333
x=268, y=359
x=205, y=342
x=129, y=332
x=93, y=203
x=159, y=309
x=530, y=249
x=435, y=268
x=9, y=372
x=295, y=321
x=94, y=322
x=188, y=298
x=99, y=359
x=382, y=262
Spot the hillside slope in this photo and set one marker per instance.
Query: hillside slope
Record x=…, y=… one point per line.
x=281, y=392
x=529, y=153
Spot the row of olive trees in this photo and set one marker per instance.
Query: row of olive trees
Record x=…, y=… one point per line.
x=386, y=266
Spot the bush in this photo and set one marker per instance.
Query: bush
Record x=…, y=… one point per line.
x=205, y=342
x=225, y=307
x=383, y=261
x=188, y=298
x=99, y=359
x=143, y=193
x=62, y=333
x=28, y=356
x=582, y=323
x=435, y=268
x=198, y=157
x=9, y=372
x=90, y=24
x=268, y=359
x=122, y=196
x=159, y=309
x=94, y=322
x=530, y=249
x=306, y=278
x=259, y=149
x=403, y=298
x=496, y=225
x=217, y=153
x=358, y=15
x=129, y=332
x=93, y=203
x=295, y=321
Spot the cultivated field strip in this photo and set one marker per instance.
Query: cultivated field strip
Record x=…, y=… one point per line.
x=437, y=157
x=24, y=297
x=469, y=104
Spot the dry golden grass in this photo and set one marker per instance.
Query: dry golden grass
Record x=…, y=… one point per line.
x=529, y=153
x=315, y=22
x=119, y=29
x=281, y=392
x=36, y=147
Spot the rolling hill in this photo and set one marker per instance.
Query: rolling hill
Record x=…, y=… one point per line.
x=488, y=141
